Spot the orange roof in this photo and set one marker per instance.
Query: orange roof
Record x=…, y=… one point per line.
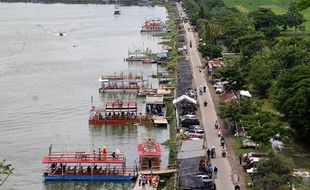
x=229, y=95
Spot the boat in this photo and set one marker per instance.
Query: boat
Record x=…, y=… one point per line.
x=138, y=54
x=149, y=155
x=149, y=61
x=121, y=83
x=116, y=112
x=95, y=165
x=117, y=10
x=153, y=25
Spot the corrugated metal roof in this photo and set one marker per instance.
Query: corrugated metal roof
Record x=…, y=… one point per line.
x=191, y=145
x=191, y=149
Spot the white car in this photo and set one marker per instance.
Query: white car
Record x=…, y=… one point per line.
x=205, y=178
x=219, y=90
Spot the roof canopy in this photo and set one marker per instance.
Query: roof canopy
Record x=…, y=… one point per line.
x=154, y=100
x=191, y=149
x=184, y=97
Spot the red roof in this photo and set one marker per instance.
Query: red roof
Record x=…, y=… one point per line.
x=229, y=95
x=217, y=62
x=149, y=151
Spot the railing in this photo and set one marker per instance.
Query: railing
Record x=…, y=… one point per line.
x=120, y=171
x=85, y=156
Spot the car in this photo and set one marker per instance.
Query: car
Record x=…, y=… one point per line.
x=219, y=90
x=218, y=85
x=208, y=183
x=204, y=178
x=188, y=122
x=247, y=143
x=195, y=133
x=195, y=127
x=252, y=163
x=183, y=117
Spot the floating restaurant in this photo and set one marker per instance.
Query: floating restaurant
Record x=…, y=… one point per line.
x=153, y=25
x=95, y=165
x=121, y=83
x=116, y=112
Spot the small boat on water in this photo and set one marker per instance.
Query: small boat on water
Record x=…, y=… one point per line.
x=149, y=61
x=121, y=83
x=153, y=25
x=116, y=112
x=95, y=165
x=117, y=10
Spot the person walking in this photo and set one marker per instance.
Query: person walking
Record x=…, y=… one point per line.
x=240, y=159
x=215, y=172
x=209, y=153
x=237, y=187
x=216, y=125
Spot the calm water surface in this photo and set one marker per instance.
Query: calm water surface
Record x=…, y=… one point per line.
x=46, y=82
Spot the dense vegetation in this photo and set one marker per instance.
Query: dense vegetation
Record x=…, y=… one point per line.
x=275, y=69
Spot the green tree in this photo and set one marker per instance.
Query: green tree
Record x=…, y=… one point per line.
x=260, y=71
x=250, y=44
x=5, y=171
x=201, y=13
x=303, y=4
x=292, y=18
x=264, y=18
x=233, y=74
x=274, y=172
x=291, y=96
x=210, y=50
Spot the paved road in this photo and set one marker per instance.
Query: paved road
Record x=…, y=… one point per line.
x=208, y=114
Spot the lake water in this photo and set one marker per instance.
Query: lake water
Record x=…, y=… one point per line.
x=46, y=82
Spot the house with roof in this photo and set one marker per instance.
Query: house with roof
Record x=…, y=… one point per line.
x=231, y=94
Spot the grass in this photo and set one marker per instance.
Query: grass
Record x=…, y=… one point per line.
x=240, y=150
x=277, y=6
x=276, y=9
x=242, y=9
x=299, y=154
x=267, y=106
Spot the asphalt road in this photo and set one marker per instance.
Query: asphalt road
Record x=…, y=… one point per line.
x=224, y=180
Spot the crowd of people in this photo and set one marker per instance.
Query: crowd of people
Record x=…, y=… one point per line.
x=148, y=181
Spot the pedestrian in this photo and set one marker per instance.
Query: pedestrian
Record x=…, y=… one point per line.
x=140, y=180
x=216, y=125
x=208, y=153
x=210, y=168
x=215, y=172
x=143, y=182
x=237, y=187
x=240, y=159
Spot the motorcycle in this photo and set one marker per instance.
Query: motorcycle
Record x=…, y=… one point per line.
x=224, y=152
